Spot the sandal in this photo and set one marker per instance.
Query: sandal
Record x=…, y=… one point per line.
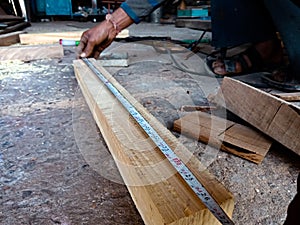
x=237, y=65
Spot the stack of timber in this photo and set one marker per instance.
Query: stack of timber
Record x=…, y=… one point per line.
x=273, y=116
x=9, y=25
x=229, y=136
x=160, y=194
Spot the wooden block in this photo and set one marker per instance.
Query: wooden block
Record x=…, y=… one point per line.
x=10, y=38
x=53, y=38
x=28, y=53
x=273, y=116
x=161, y=196
x=229, y=136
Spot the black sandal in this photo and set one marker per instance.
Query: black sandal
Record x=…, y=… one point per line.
x=230, y=63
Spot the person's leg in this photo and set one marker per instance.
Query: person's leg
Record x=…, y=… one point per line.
x=293, y=216
x=237, y=22
x=286, y=17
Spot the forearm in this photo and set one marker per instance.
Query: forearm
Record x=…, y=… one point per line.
x=119, y=20
x=139, y=9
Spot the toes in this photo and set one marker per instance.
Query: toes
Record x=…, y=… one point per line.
x=217, y=63
x=220, y=70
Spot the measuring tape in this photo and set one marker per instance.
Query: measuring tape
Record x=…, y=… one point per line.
x=176, y=162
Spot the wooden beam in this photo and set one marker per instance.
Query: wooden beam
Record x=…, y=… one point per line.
x=229, y=136
x=52, y=38
x=28, y=53
x=273, y=116
x=161, y=196
x=10, y=38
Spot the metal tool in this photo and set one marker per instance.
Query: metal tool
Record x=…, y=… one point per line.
x=176, y=162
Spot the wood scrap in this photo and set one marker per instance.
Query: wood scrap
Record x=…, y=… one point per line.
x=10, y=38
x=202, y=108
x=54, y=37
x=275, y=117
x=229, y=136
x=28, y=53
x=289, y=97
x=159, y=193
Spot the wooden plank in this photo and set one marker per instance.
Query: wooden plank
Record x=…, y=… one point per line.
x=229, y=136
x=10, y=38
x=289, y=97
x=28, y=53
x=273, y=116
x=161, y=196
x=51, y=38
x=4, y=18
x=193, y=24
x=16, y=27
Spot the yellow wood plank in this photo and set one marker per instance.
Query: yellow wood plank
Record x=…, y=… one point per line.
x=161, y=196
x=54, y=37
x=28, y=53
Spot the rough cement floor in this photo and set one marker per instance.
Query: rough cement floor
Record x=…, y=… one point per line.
x=55, y=167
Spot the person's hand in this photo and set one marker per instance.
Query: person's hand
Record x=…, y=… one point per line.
x=96, y=39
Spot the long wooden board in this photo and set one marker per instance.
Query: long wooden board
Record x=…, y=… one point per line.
x=229, y=136
x=52, y=38
x=28, y=53
x=273, y=116
x=161, y=196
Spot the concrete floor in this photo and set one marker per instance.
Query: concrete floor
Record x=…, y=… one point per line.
x=47, y=175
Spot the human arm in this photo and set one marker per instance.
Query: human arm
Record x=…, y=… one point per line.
x=96, y=39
